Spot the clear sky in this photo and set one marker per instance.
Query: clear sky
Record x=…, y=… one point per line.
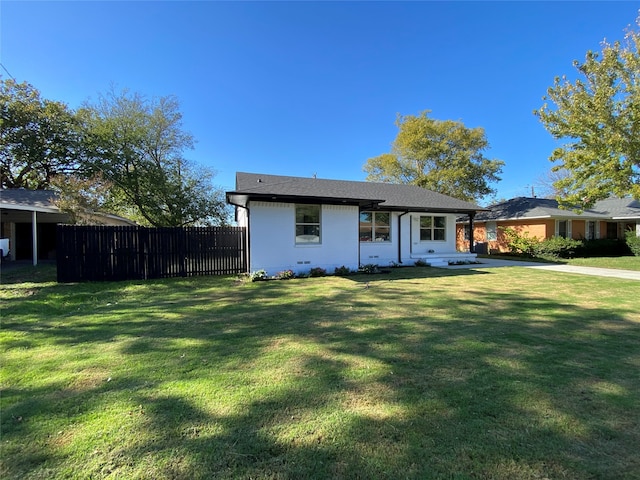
x=303, y=88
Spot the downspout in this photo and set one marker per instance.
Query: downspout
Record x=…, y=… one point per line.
x=400, y=235
x=472, y=248
x=248, y=246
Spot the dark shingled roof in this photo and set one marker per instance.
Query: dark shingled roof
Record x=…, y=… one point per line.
x=524, y=207
x=618, y=208
x=388, y=196
x=19, y=198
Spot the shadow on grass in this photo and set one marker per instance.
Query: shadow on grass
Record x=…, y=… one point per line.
x=476, y=384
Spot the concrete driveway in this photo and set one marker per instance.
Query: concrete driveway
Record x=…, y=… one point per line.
x=598, y=272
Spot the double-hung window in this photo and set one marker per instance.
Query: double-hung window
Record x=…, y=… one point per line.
x=307, y=224
x=433, y=228
x=375, y=227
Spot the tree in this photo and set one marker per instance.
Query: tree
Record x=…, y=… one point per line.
x=444, y=156
x=38, y=138
x=137, y=145
x=81, y=197
x=549, y=184
x=597, y=116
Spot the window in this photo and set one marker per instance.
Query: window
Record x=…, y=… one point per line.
x=591, y=230
x=612, y=230
x=307, y=224
x=375, y=227
x=432, y=228
x=563, y=228
x=492, y=231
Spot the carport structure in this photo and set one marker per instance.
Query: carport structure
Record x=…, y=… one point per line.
x=28, y=218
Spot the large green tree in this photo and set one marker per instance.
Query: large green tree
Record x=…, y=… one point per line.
x=39, y=138
x=443, y=156
x=138, y=146
x=596, y=117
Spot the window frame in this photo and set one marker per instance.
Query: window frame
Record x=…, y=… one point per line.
x=303, y=224
x=432, y=229
x=373, y=238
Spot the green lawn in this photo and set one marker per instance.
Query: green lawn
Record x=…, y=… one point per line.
x=505, y=373
x=623, y=263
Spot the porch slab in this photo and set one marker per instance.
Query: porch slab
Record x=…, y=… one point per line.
x=442, y=259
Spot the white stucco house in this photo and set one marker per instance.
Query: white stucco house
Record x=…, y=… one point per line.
x=301, y=223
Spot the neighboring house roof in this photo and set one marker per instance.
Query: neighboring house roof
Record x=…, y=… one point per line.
x=32, y=200
x=526, y=208
x=388, y=196
x=521, y=208
x=43, y=201
x=619, y=208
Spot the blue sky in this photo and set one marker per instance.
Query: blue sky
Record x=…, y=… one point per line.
x=303, y=88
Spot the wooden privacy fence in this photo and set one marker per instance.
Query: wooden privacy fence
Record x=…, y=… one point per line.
x=99, y=253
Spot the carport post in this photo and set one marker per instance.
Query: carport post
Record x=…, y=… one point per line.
x=34, y=234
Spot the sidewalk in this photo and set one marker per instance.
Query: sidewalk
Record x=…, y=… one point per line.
x=598, y=272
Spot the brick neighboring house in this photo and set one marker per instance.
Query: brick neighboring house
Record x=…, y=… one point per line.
x=542, y=218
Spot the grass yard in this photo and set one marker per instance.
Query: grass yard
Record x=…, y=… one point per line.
x=621, y=263
x=504, y=373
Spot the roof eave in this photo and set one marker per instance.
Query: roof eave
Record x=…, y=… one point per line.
x=242, y=199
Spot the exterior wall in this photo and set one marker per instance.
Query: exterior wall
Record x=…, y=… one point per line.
x=479, y=235
x=542, y=229
x=578, y=229
x=272, y=244
x=385, y=253
x=419, y=247
x=272, y=239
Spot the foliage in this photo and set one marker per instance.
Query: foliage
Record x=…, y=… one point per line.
x=138, y=145
x=317, y=272
x=598, y=118
x=443, y=156
x=368, y=268
x=285, y=275
x=342, y=271
x=633, y=241
x=520, y=243
x=258, y=275
x=603, y=247
x=39, y=138
x=80, y=197
x=557, y=247
x=421, y=263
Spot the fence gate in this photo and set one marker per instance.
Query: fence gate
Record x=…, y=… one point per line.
x=100, y=253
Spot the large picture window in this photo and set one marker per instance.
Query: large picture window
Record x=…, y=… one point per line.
x=433, y=228
x=307, y=224
x=375, y=227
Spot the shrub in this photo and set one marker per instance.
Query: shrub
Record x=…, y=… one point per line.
x=342, y=271
x=317, y=272
x=520, y=243
x=603, y=247
x=633, y=241
x=285, y=275
x=421, y=263
x=557, y=247
x=258, y=275
x=369, y=268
